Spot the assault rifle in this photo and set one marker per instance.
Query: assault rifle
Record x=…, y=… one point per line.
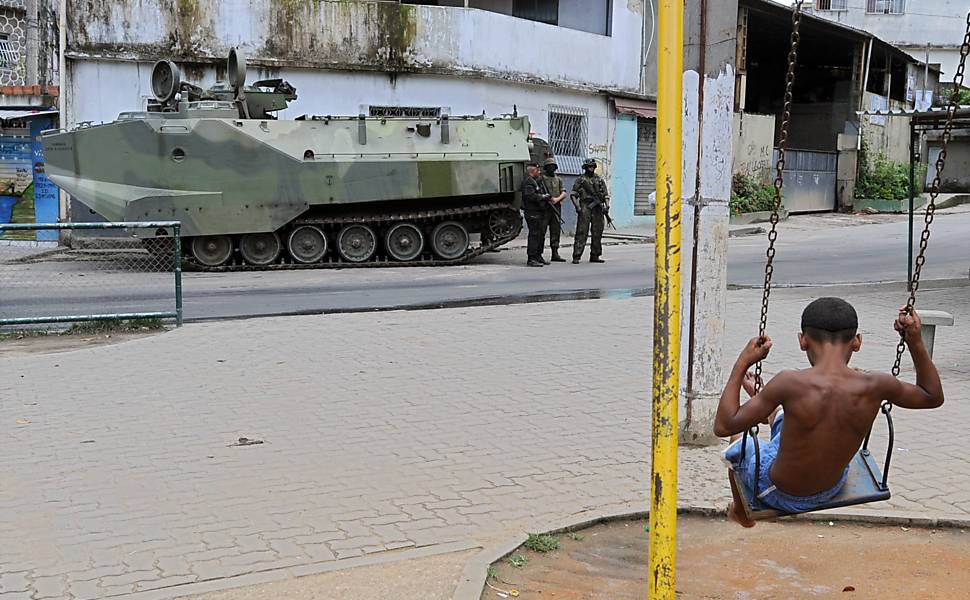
x=597, y=201
x=548, y=198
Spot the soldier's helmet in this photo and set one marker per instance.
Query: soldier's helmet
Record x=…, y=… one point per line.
x=589, y=163
x=550, y=161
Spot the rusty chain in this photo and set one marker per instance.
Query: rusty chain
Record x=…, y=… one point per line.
x=796, y=20
x=951, y=110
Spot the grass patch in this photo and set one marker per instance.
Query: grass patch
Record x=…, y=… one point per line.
x=23, y=212
x=110, y=327
x=749, y=195
x=492, y=573
x=26, y=333
x=88, y=328
x=542, y=543
x=518, y=561
x=575, y=536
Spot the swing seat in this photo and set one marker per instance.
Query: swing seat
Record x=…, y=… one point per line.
x=863, y=486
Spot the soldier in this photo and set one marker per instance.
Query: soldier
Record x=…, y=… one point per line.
x=592, y=202
x=535, y=198
x=554, y=208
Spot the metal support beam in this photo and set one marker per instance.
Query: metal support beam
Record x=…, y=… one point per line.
x=666, y=325
x=912, y=205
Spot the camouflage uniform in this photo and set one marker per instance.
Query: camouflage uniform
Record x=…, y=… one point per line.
x=555, y=187
x=591, y=190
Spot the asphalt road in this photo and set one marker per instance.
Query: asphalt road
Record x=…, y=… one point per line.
x=812, y=250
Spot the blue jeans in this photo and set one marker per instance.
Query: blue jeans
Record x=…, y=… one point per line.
x=770, y=496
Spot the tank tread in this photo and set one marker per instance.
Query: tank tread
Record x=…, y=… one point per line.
x=375, y=219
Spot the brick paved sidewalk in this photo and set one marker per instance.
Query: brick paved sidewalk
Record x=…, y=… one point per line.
x=383, y=433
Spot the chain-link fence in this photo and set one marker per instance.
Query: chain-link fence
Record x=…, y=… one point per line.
x=138, y=276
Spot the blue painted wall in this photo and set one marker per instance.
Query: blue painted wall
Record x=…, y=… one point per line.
x=45, y=192
x=625, y=174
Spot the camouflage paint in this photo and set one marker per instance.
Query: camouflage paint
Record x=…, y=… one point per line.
x=228, y=175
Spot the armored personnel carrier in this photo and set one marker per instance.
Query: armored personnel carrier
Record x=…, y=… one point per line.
x=256, y=192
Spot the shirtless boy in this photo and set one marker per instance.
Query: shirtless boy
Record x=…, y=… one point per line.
x=826, y=410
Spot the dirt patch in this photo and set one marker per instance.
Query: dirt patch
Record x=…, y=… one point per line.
x=718, y=560
x=32, y=345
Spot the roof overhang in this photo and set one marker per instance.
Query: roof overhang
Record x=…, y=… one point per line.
x=638, y=108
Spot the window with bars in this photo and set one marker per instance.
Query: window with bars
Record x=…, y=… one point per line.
x=9, y=57
x=886, y=7
x=831, y=4
x=413, y=112
x=567, y=137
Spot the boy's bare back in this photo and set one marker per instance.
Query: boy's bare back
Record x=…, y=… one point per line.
x=829, y=407
x=827, y=417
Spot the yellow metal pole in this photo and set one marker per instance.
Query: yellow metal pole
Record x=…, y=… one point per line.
x=666, y=323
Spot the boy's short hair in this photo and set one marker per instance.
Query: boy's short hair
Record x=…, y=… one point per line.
x=830, y=320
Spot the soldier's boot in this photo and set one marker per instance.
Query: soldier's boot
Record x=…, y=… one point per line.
x=535, y=263
x=544, y=261
x=556, y=257
x=596, y=259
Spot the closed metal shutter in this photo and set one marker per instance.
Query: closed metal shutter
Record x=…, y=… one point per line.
x=646, y=166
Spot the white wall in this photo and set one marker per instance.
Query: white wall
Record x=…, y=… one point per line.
x=887, y=136
x=365, y=35
x=754, y=144
x=99, y=90
x=947, y=59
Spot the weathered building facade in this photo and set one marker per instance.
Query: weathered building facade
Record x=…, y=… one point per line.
x=920, y=27
x=842, y=74
x=560, y=62
x=28, y=52
x=28, y=94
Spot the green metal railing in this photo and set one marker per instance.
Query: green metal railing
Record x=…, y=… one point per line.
x=176, y=263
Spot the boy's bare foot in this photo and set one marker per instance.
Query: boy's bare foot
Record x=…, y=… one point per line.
x=736, y=513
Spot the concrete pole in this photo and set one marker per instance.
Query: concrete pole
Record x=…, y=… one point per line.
x=44, y=44
x=32, y=42
x=709, y=79
x=64, y=81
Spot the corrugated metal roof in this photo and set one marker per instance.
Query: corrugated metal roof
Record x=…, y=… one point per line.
x=834, y=26
x=13, y=115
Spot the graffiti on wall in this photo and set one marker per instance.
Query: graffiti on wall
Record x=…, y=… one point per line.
x=16, y=170
x=755, y=159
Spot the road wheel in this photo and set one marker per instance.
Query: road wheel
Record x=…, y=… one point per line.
x=404, y=242
x=450, y=240
x=504, y=222
x=307, y=244
x=260, y=248
x=212, y=250
x=356, y=243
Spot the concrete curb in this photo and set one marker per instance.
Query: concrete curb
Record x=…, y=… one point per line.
x=41, y=253
x=953, y=201
x=741, y=231
x=757, y=217
x=472, y=582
